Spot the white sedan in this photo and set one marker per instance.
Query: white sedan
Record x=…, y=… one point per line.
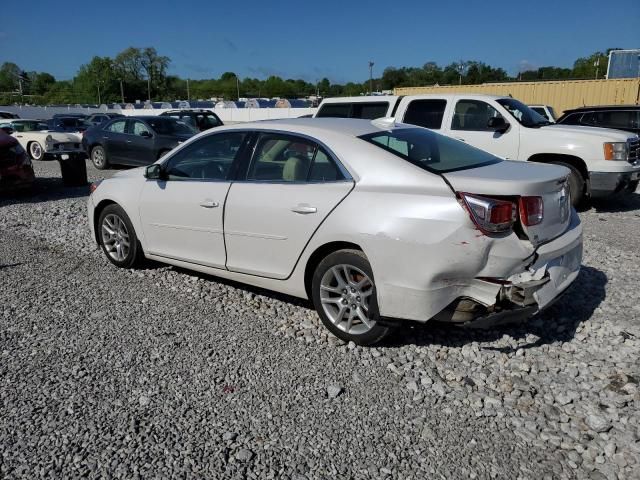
x=373, y=221
x=42, y=143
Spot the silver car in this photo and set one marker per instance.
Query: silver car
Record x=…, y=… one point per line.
x=375, y=222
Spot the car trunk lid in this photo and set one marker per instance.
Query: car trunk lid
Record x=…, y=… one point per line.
x=511, y=180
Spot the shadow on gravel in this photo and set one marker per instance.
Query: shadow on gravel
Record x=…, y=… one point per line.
x=43, y=190
x=10, y=265
x=556, y=324
x=617, y=204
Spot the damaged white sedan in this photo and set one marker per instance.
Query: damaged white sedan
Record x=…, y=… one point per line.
x=374, y=222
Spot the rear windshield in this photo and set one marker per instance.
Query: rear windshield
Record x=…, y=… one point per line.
x=430, y=151
x=364, y=110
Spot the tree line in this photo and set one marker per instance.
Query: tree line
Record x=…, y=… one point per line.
x=142, y=73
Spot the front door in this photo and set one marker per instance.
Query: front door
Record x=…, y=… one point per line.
x=114, y=138
x=182, y=215
x=469, y=124
x=290, y=187
x=140, y=144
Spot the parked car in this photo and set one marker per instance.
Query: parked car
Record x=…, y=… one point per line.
x=4, y=114
x=134, y=140
x=372, y=221
x=546, y=111
x=68, y=124
x=200, y=119
x=70, y=115
x=16, y=171
x=44, y=144
x=602, y=162
x=620, y=117
x=100, y=118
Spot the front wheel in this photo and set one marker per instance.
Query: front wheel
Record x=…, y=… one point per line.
x=577, y=184
x=35, y=151
x=344, y=294
x=118, y=239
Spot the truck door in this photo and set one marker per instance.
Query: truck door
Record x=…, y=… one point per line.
x=469, y=124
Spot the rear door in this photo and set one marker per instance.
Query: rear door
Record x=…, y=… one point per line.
x=182, y=216
x=426, y=112
x=289, y=187
x=469, y=124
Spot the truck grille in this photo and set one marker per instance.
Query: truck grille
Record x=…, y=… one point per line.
x=634, y=151
x=67, y=146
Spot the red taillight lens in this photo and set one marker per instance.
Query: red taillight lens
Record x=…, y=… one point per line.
x=94, y=186
x=531, y=210
x=488, y=214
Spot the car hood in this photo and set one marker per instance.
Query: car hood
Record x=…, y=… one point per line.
x=131, y=173
x=573, y=131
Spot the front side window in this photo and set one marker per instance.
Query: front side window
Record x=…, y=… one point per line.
x=430, y=151
x=286, y=158
x=426, y=113
x=209, y=158
x=473, y=115
x=572, y=119
x=139, y=128
x=117, y=126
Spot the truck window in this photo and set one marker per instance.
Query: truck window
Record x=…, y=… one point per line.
x=364, y=110
x=614, y=119
x=425, y=113
x=540, y=111
x=473, y=115
x=573, y=119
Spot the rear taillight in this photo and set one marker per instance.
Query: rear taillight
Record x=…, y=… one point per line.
x=488, y=214
x=531, y=210
x=94, y=185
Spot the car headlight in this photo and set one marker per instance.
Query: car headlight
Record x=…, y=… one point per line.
x=616, y=151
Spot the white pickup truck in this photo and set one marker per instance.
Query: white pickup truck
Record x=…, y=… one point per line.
x=601, y=161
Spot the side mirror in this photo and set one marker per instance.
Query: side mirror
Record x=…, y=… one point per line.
x=154, y=172
x=145, y=134
x=497, y=124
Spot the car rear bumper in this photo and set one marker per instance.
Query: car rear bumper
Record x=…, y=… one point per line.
x=65, y=155
x=604, y=184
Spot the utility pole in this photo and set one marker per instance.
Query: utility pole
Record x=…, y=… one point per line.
x=597, y=65
x=122, y=91
x=371, y=77
x=238, y=86
x=149, y=87
x=188, y=93
x=99, y=99
x=461, y=71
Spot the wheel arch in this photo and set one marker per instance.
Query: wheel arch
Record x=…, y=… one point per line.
x=572, y=160
x=319, y=254
x=96, y=216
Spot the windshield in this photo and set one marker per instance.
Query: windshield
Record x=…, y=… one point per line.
x=170, y=126
x=30, y=126
x=430, y=151
x=523, y=114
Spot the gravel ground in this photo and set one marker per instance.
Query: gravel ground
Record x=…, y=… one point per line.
x=160, y=373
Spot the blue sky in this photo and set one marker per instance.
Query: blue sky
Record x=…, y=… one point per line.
x=312, y=40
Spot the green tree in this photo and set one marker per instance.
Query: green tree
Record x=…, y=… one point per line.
x=9, y=74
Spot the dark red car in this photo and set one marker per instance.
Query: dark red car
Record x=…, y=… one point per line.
x=16, y=170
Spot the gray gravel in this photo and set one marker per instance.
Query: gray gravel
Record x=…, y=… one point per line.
x=160, y=373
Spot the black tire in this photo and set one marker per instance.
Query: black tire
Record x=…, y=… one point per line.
x=358, y=261
x=633, y=186
x=577, y=185
x=134, y=253
x=36, y=152
x=74, y=172
x=99, y=158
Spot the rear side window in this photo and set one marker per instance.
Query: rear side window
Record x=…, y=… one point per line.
x=426, y=113
x=612, y=119
x=430, y=151
x=363, y=110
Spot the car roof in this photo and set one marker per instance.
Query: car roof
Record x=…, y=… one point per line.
x=603, y=107
x=187, y=110
x=349, y=127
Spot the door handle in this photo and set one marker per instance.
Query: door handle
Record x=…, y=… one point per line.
x=18, y=136
x=209, y=204
x=304, y=209
x=106, y=138
x=461, y=139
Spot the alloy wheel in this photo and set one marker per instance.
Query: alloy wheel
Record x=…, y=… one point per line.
x=345, y=293
x=115, y=237
x=97, y=156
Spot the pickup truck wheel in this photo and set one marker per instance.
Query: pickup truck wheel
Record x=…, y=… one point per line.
x=36, y=151
x=577, y=184
x=344, y=294
x=118, y=239
x=99, y=158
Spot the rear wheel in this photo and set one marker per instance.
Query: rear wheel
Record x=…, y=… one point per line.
x=35, y=151
x=99, y=158
x=577, y=184
x=344, y=294
x=118, y=239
